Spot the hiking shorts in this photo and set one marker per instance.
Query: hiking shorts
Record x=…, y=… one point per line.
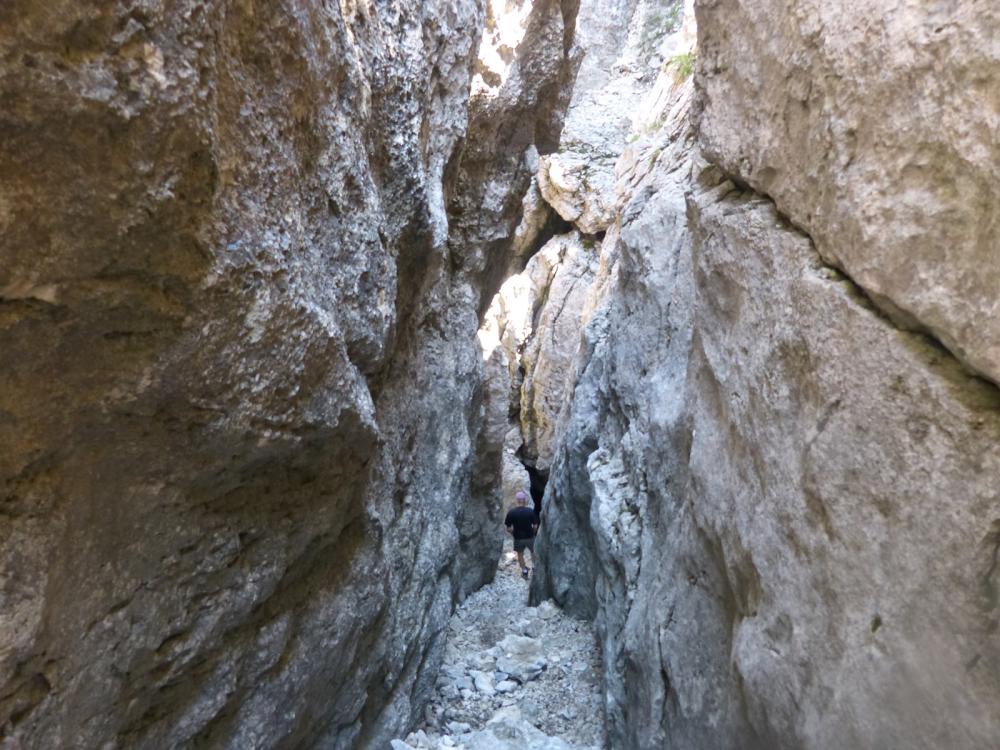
x=520, y=545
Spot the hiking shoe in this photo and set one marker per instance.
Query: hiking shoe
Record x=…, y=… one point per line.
x=524, y=573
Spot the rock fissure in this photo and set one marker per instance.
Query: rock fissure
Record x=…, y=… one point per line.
x=736, y=298
x=837, y=273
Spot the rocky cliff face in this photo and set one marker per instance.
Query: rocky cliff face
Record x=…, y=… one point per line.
x=248, y=455
x=873, y=127
x=240, y=387
x=524, y=74
x=534, y=326
x=770, y=488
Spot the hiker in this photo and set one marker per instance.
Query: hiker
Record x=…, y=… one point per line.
x=522, y=524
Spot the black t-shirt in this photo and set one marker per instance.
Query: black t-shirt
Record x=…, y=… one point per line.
x=522, y=519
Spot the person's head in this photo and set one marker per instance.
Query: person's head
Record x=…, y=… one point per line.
x=521, y=498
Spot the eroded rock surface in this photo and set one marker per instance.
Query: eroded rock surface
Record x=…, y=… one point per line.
x=240, y=408
x=623, y=46
x=623, y=434
x=627, y=67
x=850, y=593
x=873, y=126
x=775, y=502
x=249, y=458
x=517, y=108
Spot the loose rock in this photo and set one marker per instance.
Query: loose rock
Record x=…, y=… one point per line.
x=523, y=704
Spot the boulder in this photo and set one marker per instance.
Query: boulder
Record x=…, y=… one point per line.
x=508, y=731
x=483, y=682
x=522, y=658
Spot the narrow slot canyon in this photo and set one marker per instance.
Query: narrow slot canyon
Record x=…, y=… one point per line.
x=297, y=297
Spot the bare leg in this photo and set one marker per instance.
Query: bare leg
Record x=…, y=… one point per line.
x=520, y=560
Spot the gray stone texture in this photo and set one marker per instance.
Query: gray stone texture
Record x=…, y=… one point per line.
x=622, y=45
x=777, y=505
x=875, y=127
x=251, y=453
x=562, y=272
x=777, y=502
x=239, y=391
x=621, y=461
x=530, y=336
x=492, y=230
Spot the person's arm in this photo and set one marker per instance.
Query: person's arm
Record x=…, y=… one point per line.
x=508, y=525
x=535, y=524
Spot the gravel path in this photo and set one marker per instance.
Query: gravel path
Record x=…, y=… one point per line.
x=514, y=676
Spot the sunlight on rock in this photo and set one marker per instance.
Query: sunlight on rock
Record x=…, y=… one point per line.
x=506, y=23
x=508, y=319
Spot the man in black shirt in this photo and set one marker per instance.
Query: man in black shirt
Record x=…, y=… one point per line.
x=522, y=524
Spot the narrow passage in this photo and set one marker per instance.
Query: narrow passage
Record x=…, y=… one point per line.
x=514, y=676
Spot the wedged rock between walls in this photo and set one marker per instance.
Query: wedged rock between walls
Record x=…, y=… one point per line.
x=626, y=72
x=516, y=111
x=240, y=402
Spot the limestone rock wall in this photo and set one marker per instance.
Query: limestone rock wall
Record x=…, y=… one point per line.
x=620, y=463
x=517, y=108
x=852, y=516
x=536, y=322
x=771, y=490
x=569, y=263
x=623, y=45
x=873, y=126
x=626, y=114
x=239, y=391
x=248, y=455
x=533, y=329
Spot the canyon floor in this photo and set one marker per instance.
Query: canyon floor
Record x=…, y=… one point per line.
x=514, y=676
